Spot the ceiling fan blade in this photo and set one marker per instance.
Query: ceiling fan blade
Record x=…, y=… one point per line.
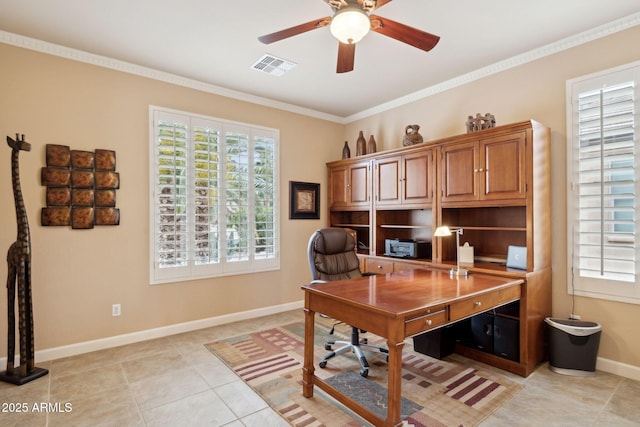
x=404, y=33
x=381, y=3
x=346, y=56
x=294, y=31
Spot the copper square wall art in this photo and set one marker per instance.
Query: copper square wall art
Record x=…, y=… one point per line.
x=58, y=156
x=55, y=177
x=105, y=160
x=107, y=180
x=105, y=198
x=81, y=187
x=82, y=179
x=82, y=159
x=58, y=196
x=82, y=198
x=56, y=216
x=81, y=217
x=107, y=216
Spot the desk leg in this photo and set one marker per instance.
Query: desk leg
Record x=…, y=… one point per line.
x=395, y=384
x=308, y=368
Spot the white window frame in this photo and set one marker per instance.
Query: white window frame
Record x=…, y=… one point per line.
x=608, y=285
x=253, y=260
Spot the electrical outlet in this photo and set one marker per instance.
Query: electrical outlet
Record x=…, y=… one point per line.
x=115, y=310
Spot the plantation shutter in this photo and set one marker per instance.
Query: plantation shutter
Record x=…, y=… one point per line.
x=171, y=240
x=214, y=197
x=264, y=164
x=603, y=167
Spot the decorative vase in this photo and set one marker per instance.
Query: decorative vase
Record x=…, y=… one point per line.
x=371, y=146
x=346, y=151
x=361, y=145
x=411, y=135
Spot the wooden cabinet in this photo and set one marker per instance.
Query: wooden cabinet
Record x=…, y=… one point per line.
x=486, y=169
x=350, y=185
x=494, y=184
x=404, y=180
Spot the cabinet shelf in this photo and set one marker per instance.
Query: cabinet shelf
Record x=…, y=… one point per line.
x=351, y=225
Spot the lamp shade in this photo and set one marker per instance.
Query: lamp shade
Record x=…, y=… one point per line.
x=442, y=231
x=350, y=25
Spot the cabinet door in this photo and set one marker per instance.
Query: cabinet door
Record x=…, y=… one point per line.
x=358, y=186
x=405, y=179
x=388, y=177
x=504, y=167
x=349, y=185
x=459, y=172
x=417, y=177
x=338, y=186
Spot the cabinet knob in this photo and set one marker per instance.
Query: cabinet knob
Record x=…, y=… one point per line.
x=478, y=304
x=379, y=267
x=429, y=322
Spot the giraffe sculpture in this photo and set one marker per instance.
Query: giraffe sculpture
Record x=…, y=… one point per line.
x=19, y=276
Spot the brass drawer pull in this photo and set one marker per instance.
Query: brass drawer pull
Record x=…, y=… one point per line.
x=429, y=322
x=478, y=303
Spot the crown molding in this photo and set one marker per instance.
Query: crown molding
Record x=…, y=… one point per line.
x=515, y=61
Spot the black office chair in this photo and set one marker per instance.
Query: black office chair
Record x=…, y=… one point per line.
x=332, y=256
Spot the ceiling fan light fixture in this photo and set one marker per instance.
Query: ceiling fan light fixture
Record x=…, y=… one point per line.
x=350, y=25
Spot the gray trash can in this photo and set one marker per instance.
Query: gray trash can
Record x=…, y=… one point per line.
x=573, y=346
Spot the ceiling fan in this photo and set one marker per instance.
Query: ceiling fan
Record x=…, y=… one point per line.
x=352, y=20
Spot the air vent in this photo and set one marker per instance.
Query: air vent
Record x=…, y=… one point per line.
x=272, y=65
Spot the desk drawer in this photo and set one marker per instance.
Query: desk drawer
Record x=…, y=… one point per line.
x=379, y=266
x=425, y=323
x=484, y=302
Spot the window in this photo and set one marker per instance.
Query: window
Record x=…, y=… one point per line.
x=604, y=174
x=214, y=197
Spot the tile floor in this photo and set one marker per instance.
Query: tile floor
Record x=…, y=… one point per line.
x=175, y=381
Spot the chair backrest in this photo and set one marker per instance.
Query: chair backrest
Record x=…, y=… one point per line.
x=332, y=254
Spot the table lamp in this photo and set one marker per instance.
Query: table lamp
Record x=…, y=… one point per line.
x=445, y=231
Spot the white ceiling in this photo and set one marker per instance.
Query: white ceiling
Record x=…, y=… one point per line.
x=215, y=41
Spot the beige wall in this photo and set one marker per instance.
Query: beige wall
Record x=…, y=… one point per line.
x=532, y=91
x=78, y=274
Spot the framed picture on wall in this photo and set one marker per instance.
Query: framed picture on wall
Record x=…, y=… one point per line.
x=304, y=200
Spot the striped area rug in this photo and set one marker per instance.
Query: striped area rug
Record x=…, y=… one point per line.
x=435, y=392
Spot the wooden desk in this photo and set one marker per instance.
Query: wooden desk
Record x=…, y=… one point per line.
x=396, y=306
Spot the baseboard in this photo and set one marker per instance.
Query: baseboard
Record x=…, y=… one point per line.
x=618, y=368
x=118, y=340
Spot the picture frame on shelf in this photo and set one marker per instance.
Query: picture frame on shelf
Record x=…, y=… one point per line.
x=304, y=200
